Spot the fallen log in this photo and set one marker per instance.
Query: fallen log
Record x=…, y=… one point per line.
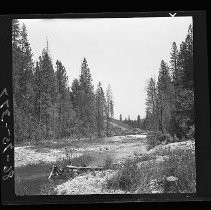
x=56, y=171
x=83, y=168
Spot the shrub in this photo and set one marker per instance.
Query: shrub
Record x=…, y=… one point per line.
x=47, y=188
x=131, y=177
x=149, y=147
x=152, y=139
x=19, y=188
x=108, y=164
x=155, y=138
x=191, y=133
x=125, y=177
x=181, y=164
x=82, y=160
x=145, y=157
x=168, y=138
x=175, y=138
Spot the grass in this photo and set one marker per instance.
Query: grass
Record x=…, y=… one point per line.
x=48, y=188
x=108, y=163
x=180, y=164
x=19, y=190
x=82, y=160
x=130, y=177
x=155, y=138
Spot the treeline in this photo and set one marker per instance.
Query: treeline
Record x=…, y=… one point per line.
x=138, y=123
x=45, y=106
x=170, y=98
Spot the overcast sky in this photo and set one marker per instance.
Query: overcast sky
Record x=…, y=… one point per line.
x=123, y=52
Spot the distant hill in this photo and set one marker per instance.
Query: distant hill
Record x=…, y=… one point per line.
x=118, y=127
x=120, y=124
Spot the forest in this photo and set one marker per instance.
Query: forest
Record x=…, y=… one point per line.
x=170, y=97
x=45, y=106
x=154, y=154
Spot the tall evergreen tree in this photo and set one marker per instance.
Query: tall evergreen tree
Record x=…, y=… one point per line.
x=48, y=95
x=183, y=86
x=120, y=117
x=86, y=101
x=75, y=94
x=16, y=62
x=138, y=121
x=26, y=81
x=164, y=96
x=109, y=108
x=152, y=105
x=64, y=101
x=23, y=83
x=175, y=92
x=110, y=102
x=174, y=62
x=187, y=63
x=15, y=33
x=100, y=109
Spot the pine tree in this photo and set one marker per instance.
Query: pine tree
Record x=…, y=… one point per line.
x=174, y=62
x=164, y=96
x=100, y=109
x=15, y=33
x=120, y=117
x=109, y=107
x=138, y=121
x=188, y=61
x=183, y=86
x=48, y=94
x=64, y=102
x=86, y=103
x=27, y=80
x=75, y=94
x=16, y=62
x=174, y=94
x=23, y=83
x=110, y=102
x=152, y=105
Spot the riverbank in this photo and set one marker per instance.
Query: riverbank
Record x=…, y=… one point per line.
x=150, y=167
x=33, y=163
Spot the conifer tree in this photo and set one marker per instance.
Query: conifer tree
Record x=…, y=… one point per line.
x=120, y=117
x=86, y=104
x=184, y=89
x=152, y=105
x=174, y=62
x=109, y=108
x=27, y=80
x=138, y=121
x=48, y=95
x=164, y=96
x=15, y=33
x=23, y=83
x=65, y=109
x=100, y=109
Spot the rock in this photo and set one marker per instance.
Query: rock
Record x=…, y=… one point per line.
x=172, y=179
x=170, y=185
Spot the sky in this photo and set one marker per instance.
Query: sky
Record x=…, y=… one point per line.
x=122, y=52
